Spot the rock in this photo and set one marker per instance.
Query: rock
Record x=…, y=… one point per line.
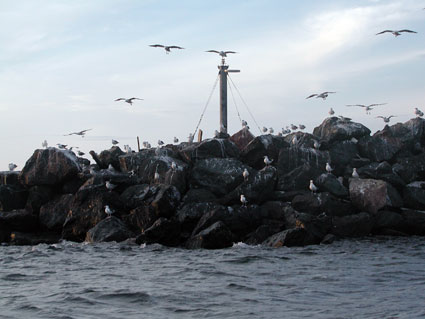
x=414, y=195
x=289, y=238
x=198, y=195
x=298, y=179
x=357, y=225
x=18, y=220
x=341, y=154
x=262, y=233
x=293, y=157
x=12, y=197
x=382, y=171
x=316, y=226
x=411, y=168
x=328, y=239
x=334, y=129
x=163, y=231
x=316, y=204
x=218, y=175
x=72, y=186
x=216, y=236
x=379, y=147
x=385, y=220
x=134, y=196
x=38, y=196
x=108, y=157
x=9, y=178
x=53, y=214
x=329, y=183
x=32, y=239
x=300, y=140
x=371, y=195
x=49, y=166
x=141, y=218
x=242, y=138
x=166, y=200
x=414, y=222
x=210, y=148
x=263, y=145
x=108, y=229
x=409, y=133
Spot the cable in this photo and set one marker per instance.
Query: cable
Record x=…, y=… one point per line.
x=234, y=101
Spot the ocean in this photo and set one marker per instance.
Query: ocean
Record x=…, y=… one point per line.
x=379, y=277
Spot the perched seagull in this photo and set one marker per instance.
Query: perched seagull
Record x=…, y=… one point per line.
x=221, y=53
x=109, y=211
x=355, y=174
x=44, y=144
x=62, y=146
x=81, y=133
x=271, y=130
x=245, y=175
x=111, y=168
x=92, y=171
x=110, y=186
x=396, y=32
x=127, y=149
x=12, y=166
x=368, y=108
x=216, y=133
x=267, y=161
x=166, y=47
x=160, y=142
x=244, y=201
x=129, y=101
x=301, y=126
x=244, y=123
x=331, y=111
x=313, y=187
x=322, y=95
x=294, y=127
x=114, y=142
x=344, y=119
x=176, y=140
x=317, y=145
x=156, y=177
x=385, y=118
x=329, y=169
x=80, y=153
x=145, y=144
x=190, y=138
x=418, y=112
x=157, y=151
x=173, y=166
x=264, y=129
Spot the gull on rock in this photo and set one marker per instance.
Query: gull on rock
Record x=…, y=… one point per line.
x=44, y=144
x=244, y=123
x=110, y=186
x=129, y=101
x=301, y=126
x=80, y=153
x=322, y=95
x=355, y=174
x=115, y=142
x=175, y=140
x=12, y=166
x=313, y=187
x=418, y=112
x=167, y=48
x=245, y=175
x=62, y=146
x=317, y=145
x=243, y=199
x=190, y=138
x=294, y=127
x=331, y=111
x=271, y=130
x=111, y=168
x=264, y=129
x=216, y=133
x=267, y=161
x=173, y=166
x=109, y=211
x=160, y=142
x=329, y=169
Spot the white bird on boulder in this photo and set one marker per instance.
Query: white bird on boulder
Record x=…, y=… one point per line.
x=329, y=169
x=173, y=166
x=271, y=130
x=160, y=142
x=245, y=175
x=267, y=161
x=313, y=187
x=294, y=127
x=244, y=123
x=355, y=174
x=111, y=168
x=110, y=186
x=331, y=111
x=190, y=138
x=12, y=166
x=317, y=145
x=301, y=126
x=264, y=129
x=175, y=140
x=216, y=133
x=243, y=199
x=109, y=211
x=44, y=144
x=115, y=142
x=80, y=153
x=62, y=146
x=418, y=112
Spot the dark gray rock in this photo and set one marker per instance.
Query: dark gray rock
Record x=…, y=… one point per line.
x=386, y=219
x=198, y=195
x=18, y=220
x=242, y=138
x=329, y=183
x=166, y=200
x=298, y=179
x=140, y=218
x=289, y=238
x=163, y=231
x=414, y=195
x=135, y=196
x=357, y=225
x=49, y=166
x=414, y=222
x=293, y=157
x=300, y=140
x=108, y=157
x=38, y=196
x=411, y=168
x=341, y=154
x=217, y=236
x=32, y=239
x=109, y=229
x=9, y=178
x=380, y=147
x=316, y=204
x=334, y=129
x=12, y=197
x=210, y=148
x=53, y=214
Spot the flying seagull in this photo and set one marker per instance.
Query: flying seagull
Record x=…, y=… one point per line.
x=396, y=32
x=82, y=133
x=221, y=53
x=368, y=108
x=322, y=95
x=129, y=101
x=385, y=118
x=166, y=47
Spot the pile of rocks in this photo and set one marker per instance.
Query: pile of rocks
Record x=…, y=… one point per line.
x=188, y=195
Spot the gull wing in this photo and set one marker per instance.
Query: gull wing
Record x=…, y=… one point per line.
x=215, y=51
x=120, y=99
x=311, y=96
x=405, y=30
x=391, y=31
x=230, y=52
x=135, y=98
x=156, y=46
x=175, y=47
x=376, y=104
x=361, y=105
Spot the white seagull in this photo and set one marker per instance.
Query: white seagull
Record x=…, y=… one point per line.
x=80, y=153
x=368, y=108
x=109, y=211
x=316, y=145
x=267, y=161
x=301, y=126
x=396, y=33
x=175, y=140
x=271, y=130
x=221, y=53
x=313, y=187
x=329, y=169
x=12, y=166
x=418, y=112
x=62, y=146
x=110, y=186
x=244, y=201
x=322, y=95
x=129, y=101
x=44, y=144
x=114, y=142
x=355, y=174
x=173, y=166
x=294, y=127
x=245, y=175
x=160, y=142
x=244, y=123
x=166, y=47
x=264, y=129
x=386, y=118
x=331, y=111
x=81, y=133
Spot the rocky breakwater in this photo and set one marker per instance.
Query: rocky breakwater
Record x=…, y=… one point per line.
x=188, y=195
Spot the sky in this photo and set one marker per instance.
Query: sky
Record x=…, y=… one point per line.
x=63, y=63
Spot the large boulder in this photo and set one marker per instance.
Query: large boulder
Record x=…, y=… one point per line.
x=49, y=166
x=163, y=231
x=298, y=179
x=53, y=214
x=140, y=218
x=335, y=129
x=414, y=222
x=198, y=195
x=18, y=220
x=329, y=183
x=371, y=195
x=290, y=238
x=410, y=134
x=414, y=195
x=343, y=153
x=316, y=204
x=9, y=178
x=218, y=175
x=386, y=220
x=216, y=236
x=410, y=168
x=242, y=138
x=12, y=197
x=301, y=140
x=38, y=196
x=357, y=225
x=380, y=147
x=263, y=145
x=108, y=229
x=215, y=147
x=108, y=157
x=135, y=196
x=294, y=157
x=32, y=239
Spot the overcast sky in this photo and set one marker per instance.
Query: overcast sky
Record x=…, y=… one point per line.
x=64, y=62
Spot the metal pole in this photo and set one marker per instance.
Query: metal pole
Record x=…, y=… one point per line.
x=223, y=97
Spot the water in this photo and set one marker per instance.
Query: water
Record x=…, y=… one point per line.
x=368, y=278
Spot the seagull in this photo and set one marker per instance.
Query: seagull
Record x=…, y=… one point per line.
x=127, y=149
x=80, y=153
x=355, y=174
x=385, y=118
x=396, y=32
x=267, y=161
x=313, y=187
x=344, y=119
x=109, y=211
x=294, y=127
x=329, y=169
x=221, y=53
x=114, y=142
x=244, y=123
x=368, y=108
x=129, y=101
x=331, y=111
x=110, y=186
x=62, y=146
x=156, y=177
x=190, y=138
x=216, y=133
x=157, y=151
x=166, y=47
x=44, y=144
x=81, y=133
x=111, y=168
x=245, y=175
x=160, y=142
x=264, y=129
x=271, y=130
x=173, y=166
x=322, y=95
x=176, y=140
x=12, y=166
x=244, y=201
x=317, y=145
x=301, y=126
x=418, y=112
